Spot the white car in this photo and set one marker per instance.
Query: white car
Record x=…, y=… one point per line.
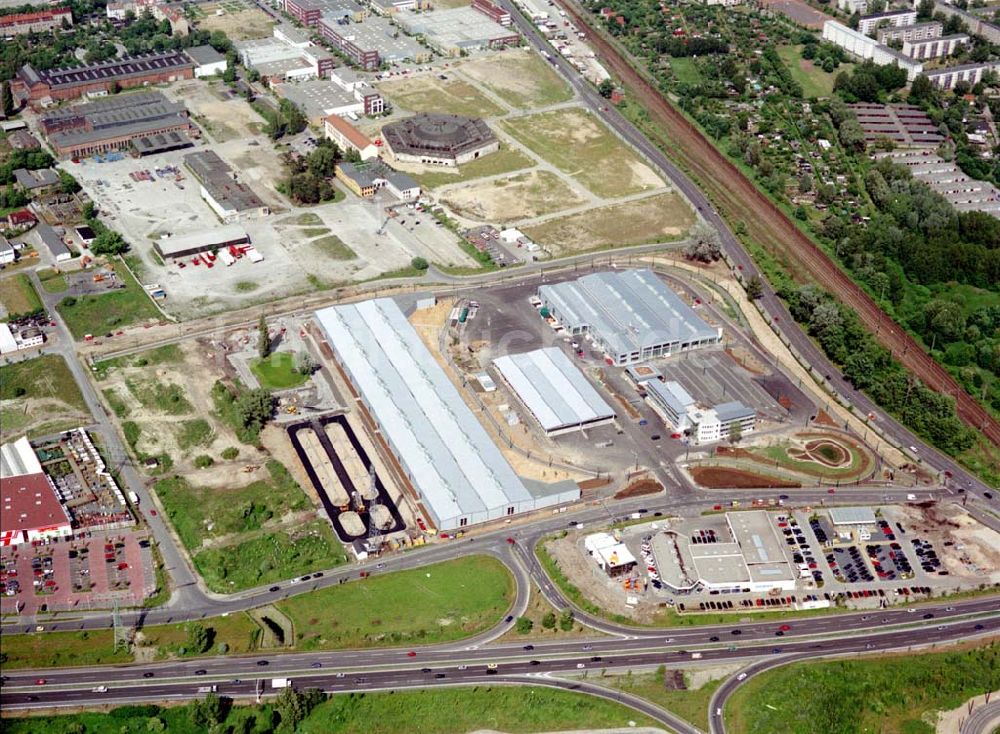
x=580, y=665
x=741, y=676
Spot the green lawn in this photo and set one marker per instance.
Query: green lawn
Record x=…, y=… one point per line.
x=47, y=376
x=118, y=406
x=270, y=557
x=579, y=144
x=197, y=432
x=439, y=603
x=685, y=70
x=815, y=82
x=517, y=710
x=691, y=705
x=18, y=296
x=52, y=280
x=162, y=397
x=891, y=694
x=505, y=160
x=277, y=371
x=96, y=647
x=334, y=248
x=100, y=314
x=228, y=511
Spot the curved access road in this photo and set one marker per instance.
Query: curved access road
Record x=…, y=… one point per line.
x=983, y=720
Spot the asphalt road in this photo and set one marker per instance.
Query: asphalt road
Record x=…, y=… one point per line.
x=983, y=720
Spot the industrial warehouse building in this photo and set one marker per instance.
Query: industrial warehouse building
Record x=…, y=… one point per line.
x=743, y=552
x=437, y=139
x=554, y=391
x=228, y=198
x=145, y=121
x=193, y=244
x=29, y=507
x=95, y=79
x=704, y=425
x=458, y=473
x=455, y=31
x=630, y=314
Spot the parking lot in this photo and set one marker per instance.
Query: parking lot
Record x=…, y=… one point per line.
x=83, y=573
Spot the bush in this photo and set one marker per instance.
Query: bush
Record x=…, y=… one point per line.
x=203, y=461
x=566, y=620
x=524, y=625
x=419, y=263
x=549, y=621
x=230, y=453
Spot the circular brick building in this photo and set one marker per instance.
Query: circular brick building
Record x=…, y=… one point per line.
x=440, y=140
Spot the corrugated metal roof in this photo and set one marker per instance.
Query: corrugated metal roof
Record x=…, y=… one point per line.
x=733, y=410
x=628, y=310
x=552, y=388
x=852, y=515
x=447, y=453
x=672, y=394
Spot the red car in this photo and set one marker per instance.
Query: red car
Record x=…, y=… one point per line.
x=830, y=490
x=40, y=682
x=411, y=654
x=784, y=628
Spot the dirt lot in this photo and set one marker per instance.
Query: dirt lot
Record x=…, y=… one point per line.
x=580, y=145
x=800, y=12
x=717, y=477
x=249, y=22
x=520, y=77
x=976, y=550
x=652, y=219
x=526, y=195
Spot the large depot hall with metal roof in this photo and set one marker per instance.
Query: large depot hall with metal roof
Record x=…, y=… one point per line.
x=554, y=391
x=459, y=475
x=630, y=314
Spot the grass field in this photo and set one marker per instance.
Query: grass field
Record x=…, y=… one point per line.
x=520, y=77
x=815, y=82
x=517, y=710
x=334, y=248
x=197, y=432
x=18, y=296
x=106, y=312
x=430, y=94
x=685, y=70
x=270, y=557
x=228, y=512
x=657, y=218
x=52, y=280
x=505, y=160
x=277, y=371
x=40, y=397
x=691, y=705
x=443, y=602
x=581, y=146
x=889, y=693
x=161, y=397
x=238, y=23
x=96, y=647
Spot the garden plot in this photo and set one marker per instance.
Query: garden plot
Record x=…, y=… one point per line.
x=520, y=77
x=656, y=218
x=512, y=198
x=580, y=145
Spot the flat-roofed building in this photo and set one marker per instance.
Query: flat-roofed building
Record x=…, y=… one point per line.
x=198, y=242
x=231, y=200
x=671, y=401
x=554, y=391
x=31, y=511
x=948, y=76
x=365, y=179
x=933, y=48
x=457, y=30
x=318, y=98
x=309, y=12
x=372, y=42
x=207, y=61
x=76, y=81
x=860, y=45
x=458, y=474
x=915, y=32
x=629, y=314
x=7, y=252
x=491, y=10
x=279, y=60
x=852, y=516
x=894, y=18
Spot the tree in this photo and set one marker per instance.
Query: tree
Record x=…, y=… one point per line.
x=115, y=87
x=263, y=338
x=254, y=408
x=566, y=620
x=90, y=211
x=705, y=245
x=852, y=136
x=229, y=75
x=294, y=706
x=549, y=620
x=524, y=625
x=322, y=161
x=209, y=711
x=754, y=288
x=68, y=184
x=921, y=89
x=735, y=432
x=805, y=183
x=108, y=242
x=606, y=88
x=7, y=100
x=199, y=638
x=419, y=263
x=304, y=363
x=295, y=121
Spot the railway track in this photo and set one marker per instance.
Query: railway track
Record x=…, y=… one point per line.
x=739, y=198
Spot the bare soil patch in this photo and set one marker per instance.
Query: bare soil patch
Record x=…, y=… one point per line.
x=717, y=477
x=526, y=195
x=639, y=488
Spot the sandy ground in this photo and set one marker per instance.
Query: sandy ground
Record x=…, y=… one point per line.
x=770, y=342
x=239, y=26
x=323, y=467
x=276, y=441
x=975, y=555
x=949, y=722
x=350, y=459
x=520, y=74
x=514, y=197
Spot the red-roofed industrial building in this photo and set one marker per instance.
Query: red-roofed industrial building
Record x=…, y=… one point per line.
x=37, y=21
x=30, y=510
